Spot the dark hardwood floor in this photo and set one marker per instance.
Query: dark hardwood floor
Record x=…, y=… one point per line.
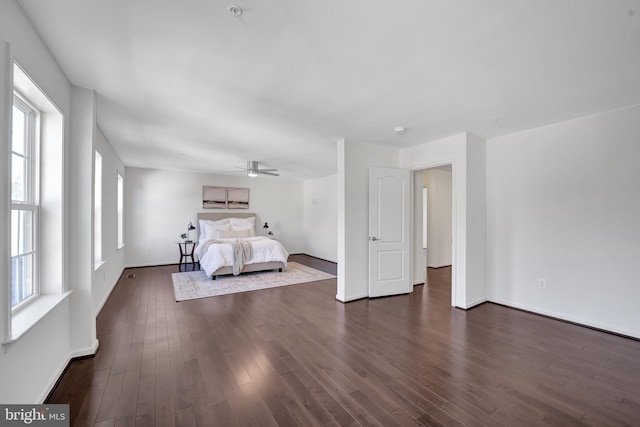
x=295, y=356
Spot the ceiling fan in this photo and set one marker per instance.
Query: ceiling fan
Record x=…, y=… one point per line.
x=253, y=169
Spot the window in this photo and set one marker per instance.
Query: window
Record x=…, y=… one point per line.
x=120, y=211
x=36, y=222
x=97, y=210
x=24, y=202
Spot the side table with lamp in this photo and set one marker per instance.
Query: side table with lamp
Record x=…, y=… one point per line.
x=187, y=247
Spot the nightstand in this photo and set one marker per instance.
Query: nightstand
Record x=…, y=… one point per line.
x=186, y=251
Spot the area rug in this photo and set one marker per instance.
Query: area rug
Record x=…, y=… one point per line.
x=195, y=284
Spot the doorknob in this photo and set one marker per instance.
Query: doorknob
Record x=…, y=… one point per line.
x=373, y=239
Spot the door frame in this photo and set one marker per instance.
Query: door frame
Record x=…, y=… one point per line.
x=454, y=215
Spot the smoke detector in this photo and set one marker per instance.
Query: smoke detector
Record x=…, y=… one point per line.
x=235, y=10
x=399, y=130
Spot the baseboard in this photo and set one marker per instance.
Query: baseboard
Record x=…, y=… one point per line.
x=86, y=352
x=104, y=301
x=74, y=355
x=318, y=258
x=152, y=264
x=634, y=335
x=474, y=304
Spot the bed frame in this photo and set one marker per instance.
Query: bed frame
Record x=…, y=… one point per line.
x=260, y=266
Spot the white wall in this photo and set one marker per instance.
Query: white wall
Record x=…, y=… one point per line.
x=106, y=277
x=354, y=161
x=159, y=204
x=321, y=217
x=438, y=183
x=22, y=366
x=30, y=366
x=476, y=219
x=79, y=253
x=563, y=205
x=69, y=328
x=5, y=188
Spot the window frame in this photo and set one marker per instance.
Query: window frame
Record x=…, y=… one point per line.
x=98, y=168
x=120, y=209
x=31, y=202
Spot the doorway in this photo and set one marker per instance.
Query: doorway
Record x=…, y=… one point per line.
x=433, y=224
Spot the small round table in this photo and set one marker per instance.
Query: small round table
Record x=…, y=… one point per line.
x=186, y=251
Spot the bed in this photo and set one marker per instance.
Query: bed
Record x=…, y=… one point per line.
x=222, y=237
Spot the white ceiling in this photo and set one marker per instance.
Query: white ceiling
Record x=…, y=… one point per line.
x=184, y=85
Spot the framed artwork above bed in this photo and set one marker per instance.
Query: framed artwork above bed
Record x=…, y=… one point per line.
x=225, y=198
x=214, y=197
x=237, y=198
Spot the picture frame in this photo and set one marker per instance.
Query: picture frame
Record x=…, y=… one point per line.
x=214, y=197
x=237, y=198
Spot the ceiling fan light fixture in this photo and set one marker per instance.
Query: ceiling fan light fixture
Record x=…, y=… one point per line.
x=252, y=168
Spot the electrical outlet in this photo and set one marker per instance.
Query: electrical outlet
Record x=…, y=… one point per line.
x=542, y=283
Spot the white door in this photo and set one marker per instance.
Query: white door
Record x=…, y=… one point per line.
x=389, y=232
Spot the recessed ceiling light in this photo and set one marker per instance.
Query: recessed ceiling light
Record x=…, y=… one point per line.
x=399, y=130
x=235, y=10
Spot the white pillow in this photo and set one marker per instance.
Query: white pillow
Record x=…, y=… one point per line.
x=211, y=229
x=210, y=221
x=232, y=234
x=244, y=221
x=249, y=228
x=204, y=222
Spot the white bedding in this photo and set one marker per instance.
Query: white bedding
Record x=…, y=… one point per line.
x=212, y=256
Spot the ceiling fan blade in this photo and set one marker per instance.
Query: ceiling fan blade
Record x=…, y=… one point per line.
x=254, y=168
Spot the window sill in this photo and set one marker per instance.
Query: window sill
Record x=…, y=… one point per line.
x=29, y=316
